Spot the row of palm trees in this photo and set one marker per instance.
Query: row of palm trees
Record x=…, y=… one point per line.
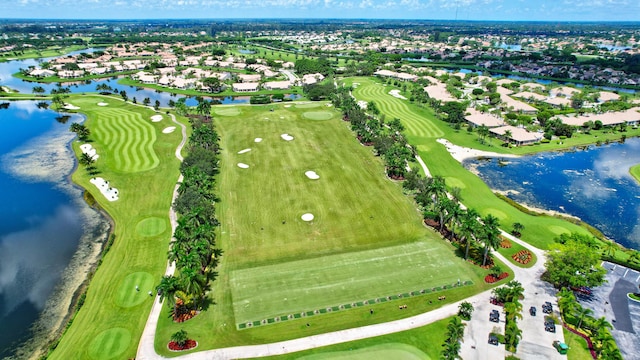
x=510, y=295
x=193, y=248
x=455, y=334
x=451, y=218
x=573, y=313
x=386, y=137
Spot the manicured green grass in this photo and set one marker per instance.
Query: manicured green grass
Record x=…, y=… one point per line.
x=364, y=229
x=318, y=115
x=540, y=230
x=578, y=348
x=515, y=247
x=319, y=283
x=635, y=172
x=110, y=322
x=384, y=351
x=425, y=341
x=151, y=226
x=128, y=137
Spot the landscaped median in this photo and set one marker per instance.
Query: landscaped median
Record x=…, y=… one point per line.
x=138, y=159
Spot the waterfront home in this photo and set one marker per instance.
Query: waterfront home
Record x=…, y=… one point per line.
x=477, y=118
x=519, y=136
x=612, y=118
x=249, y=78
x=277, y=85
x=245, y=87
x=309, y=79
x=42, y=73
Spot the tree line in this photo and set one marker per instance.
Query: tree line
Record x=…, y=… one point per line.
x=386, y=137
x=194, y=241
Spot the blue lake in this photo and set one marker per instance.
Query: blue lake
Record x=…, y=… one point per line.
x=593, y=184
x=44, y=219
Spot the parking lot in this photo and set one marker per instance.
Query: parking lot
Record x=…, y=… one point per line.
x=536, y=343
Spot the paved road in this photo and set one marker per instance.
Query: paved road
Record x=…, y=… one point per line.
x=292, y=77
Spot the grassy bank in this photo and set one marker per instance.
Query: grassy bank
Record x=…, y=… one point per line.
x=635, y=172
x=423, y=128
x=137, y=159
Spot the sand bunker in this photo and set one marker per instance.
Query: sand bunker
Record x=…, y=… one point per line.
x=396, y=94
x=258, y=140
x=156, y=118
x=244, y=151
x=287, y=106
x=307, y=217
x=89, y=150
x=169, y=129
x=312, y=175
x=286, y=137
x=110, y=193
x=243, y=166
x=71, y=107
x=102, y=104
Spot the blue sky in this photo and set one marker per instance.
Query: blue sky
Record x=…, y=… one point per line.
x=546, y=10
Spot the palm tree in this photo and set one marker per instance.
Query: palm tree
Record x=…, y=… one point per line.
x=512, y=336
x=634, y=256
x=515, y=291
x=517, y=229
x=180, y=337
x=483, y=131
x=167, y=289
x=581, y=313
x=465, y=310
x=468, y=227
x=566, y=301
x=490, y=235
x=508, y=135
x=601, y=324
x=38, y=90
x=193, y=282
x=86, y=160
x=513, y=310
x=611, y=248
x=455, y=329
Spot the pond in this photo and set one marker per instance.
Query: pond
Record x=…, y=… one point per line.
x=592, y=183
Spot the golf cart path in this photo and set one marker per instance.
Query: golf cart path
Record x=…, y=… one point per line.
x=527, y=277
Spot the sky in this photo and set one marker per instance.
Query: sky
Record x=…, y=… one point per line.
x=506, y=10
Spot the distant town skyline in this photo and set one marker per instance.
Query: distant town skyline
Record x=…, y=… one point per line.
x=503, y=10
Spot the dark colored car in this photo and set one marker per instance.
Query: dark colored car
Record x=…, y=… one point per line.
x=493, y=340
x=547, y=308
x=532, y=311
x=494, y=316
x=550, y=328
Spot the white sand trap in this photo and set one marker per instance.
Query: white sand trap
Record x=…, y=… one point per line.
x=286, y=137
x=169, y=130
x=102, y=104
x=156, y=118
x=243, y=166
x=396, y=94
x=287, y=106
x=110, y=193
x=307, y=217
x=329, y=105
x=258, y=140
x=312, y=175
x=71, y=107
x=244, y=151
x=89, y=150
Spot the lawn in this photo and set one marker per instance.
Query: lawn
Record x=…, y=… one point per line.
x=420, y=343
x=366, y=242
x=130, y=147
x=419, y=122
x=578, y=348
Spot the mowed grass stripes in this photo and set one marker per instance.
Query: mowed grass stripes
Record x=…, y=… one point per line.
x=416, y=124
x=328, y=281
x=129, y=138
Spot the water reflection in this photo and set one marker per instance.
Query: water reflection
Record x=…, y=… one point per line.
x=593, y=184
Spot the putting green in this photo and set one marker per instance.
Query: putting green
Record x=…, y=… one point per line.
x=559, y=230
x=308, y=106
x=128, y=137
x=317, y=115
x=128, y=296
x=228, y=111
x=383, y=351
x=109, y=344
x=454, y=182
x=151, y=226
x=495, y=212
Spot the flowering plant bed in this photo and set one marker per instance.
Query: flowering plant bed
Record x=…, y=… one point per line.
x=505, y=243
x=189, y=344
x=181, y=313
x=523, y=257
x=490, y=279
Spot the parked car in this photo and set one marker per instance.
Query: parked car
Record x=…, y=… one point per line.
x=494, y=316
x=532, y=311
x=547, y=308
x=561, y=347
x=493, y=340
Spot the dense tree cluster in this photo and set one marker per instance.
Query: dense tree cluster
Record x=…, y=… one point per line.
x=386, y=137
x=311, y=66
x=573, y=264
x=193, y=248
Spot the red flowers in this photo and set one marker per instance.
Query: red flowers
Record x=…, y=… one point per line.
x=490, y=279
x=522, y=256
x=189, y=344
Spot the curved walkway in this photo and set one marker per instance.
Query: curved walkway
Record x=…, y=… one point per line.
x=146, y=349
